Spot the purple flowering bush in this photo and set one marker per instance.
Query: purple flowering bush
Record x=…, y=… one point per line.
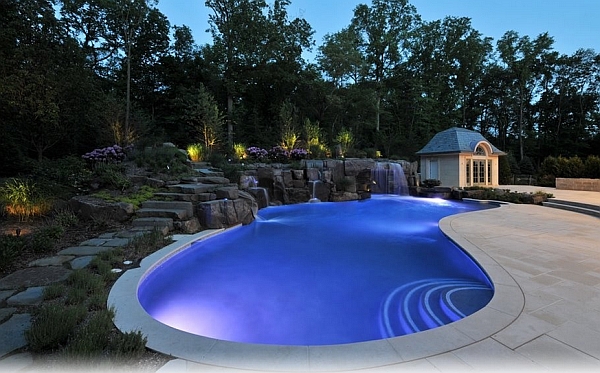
x=257, y=153
x=299, y=153
x=110, y=154
x=279, y=154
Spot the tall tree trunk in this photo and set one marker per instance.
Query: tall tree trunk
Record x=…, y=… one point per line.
x=230, y=121
x=128, y=99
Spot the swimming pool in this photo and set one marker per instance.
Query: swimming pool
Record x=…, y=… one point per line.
x=321, y=274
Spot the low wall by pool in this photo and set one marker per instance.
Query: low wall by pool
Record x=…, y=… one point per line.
x=590, y=185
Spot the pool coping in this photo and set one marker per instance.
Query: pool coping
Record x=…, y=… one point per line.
x=503, y=309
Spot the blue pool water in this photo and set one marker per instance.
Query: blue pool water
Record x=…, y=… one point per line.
x=320, y=274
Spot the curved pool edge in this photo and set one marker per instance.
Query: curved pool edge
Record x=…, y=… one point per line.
x=504, y=307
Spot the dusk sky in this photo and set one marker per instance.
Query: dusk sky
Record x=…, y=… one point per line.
x=573, y=24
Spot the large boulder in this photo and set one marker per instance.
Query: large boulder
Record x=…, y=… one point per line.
x=224, y=213
x=92, y=208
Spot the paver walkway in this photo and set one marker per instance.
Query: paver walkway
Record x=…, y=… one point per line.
x=25, y=288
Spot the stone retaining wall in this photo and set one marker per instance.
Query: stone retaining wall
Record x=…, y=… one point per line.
x=591, y=185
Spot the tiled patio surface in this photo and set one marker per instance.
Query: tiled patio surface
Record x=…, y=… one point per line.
x=545, y=314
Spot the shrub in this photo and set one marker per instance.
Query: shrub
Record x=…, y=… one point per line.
x=86, y=281
x=21, y=198
x=10, y=247
x=372, y=153
x=239, y=151
x=68, y=172
x=257, y=153
x=54, y=291
x=131, y=344
x=431, y=183
x=144, y=193
x=298, y=154
x=196, y=152
x=319, y=151
x=92, y=339
x=346, y=139
x=504, y=173
x=592, y=167
x=44, y=239
x=112, y=175
x=526, y=166
x=514, y=165
x=53, y=325
x=65, y=218
x=111, y=154
x=163, y=159
x=279, y=154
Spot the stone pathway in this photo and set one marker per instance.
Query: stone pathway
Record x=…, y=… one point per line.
x=24, y=288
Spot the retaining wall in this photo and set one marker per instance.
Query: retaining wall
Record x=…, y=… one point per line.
x=591, y=185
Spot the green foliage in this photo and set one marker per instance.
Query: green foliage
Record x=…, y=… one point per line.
x=564, y=167
x=506, y=195
x=232, y=172
x=514, y=165
x=372, y=153
x=53, y=325
x=130, y=344
x=319, y=151
x=504, y=173
x=10, y=247
x=44, y=239
x=431, y=183
x=112, y=175
x=67, y=172
x=312, y=133
x=148, y=243
x=218, y=160
x=65, y=218
x=136, y=198
x=196, y=152
x=550, y=166
x=164, y=159
x=345, y=138
x=526, y=166
x=592, y=167
x=94, y=337
x=287, y=117
x=22, y=198
x=239, y=151
x=54, y=291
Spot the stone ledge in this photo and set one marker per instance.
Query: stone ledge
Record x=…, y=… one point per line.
x=590, y=185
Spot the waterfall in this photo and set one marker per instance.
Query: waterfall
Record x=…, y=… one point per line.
x=314, y=198
x=261, y=194
x=389, y=178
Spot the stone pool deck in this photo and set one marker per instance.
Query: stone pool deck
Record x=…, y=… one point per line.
x=545, y=316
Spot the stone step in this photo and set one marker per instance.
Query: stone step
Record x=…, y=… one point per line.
x=201, y=197
x=581, y=208
x=188, y=207
x=192, y=188
x=175, y=214
x=141, y=230
x=153, y=223
x=207, y=172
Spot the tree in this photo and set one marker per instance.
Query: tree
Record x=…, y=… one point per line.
x=339, y=57
x=522, y=59
x=40, y=67
x=258, y=49
x=202, y=116
x=384, y=30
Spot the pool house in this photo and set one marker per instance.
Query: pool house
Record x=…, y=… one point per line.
x=459, y=157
